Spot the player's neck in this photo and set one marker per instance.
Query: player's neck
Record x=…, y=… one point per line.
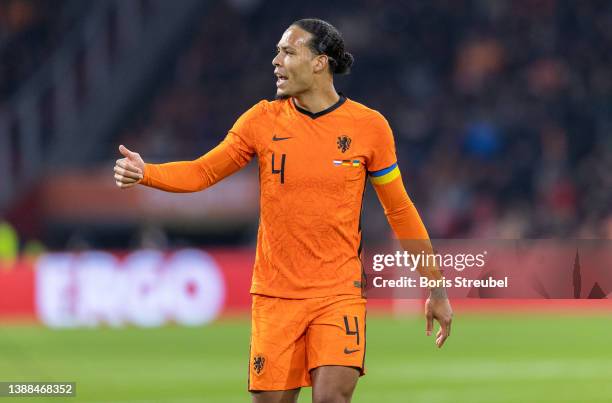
x=317, y=100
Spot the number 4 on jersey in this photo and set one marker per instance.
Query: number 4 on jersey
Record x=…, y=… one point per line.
x=280, y=171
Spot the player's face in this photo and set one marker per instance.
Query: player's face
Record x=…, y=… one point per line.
x=294, y=63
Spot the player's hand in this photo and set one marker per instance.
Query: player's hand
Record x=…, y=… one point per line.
x=129, y=170
x=438, y=307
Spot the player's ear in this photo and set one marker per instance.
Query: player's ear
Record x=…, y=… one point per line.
x=320, y=63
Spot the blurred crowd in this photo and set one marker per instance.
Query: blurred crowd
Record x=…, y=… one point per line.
x=30, y=30
x=502, y=110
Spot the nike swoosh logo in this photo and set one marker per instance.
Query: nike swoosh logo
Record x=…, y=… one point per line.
x=347, y=351
x=279, y=138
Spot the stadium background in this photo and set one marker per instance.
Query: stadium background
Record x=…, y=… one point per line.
x=502, y=112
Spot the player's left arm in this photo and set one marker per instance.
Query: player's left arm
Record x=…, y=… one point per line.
x=410, y=230
x=406, y=222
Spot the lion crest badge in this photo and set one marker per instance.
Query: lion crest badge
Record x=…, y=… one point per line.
x=258, y=364
x=344, y=143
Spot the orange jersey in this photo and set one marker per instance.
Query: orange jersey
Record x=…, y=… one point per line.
x=312, y=172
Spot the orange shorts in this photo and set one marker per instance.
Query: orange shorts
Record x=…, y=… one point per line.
x=290, y=337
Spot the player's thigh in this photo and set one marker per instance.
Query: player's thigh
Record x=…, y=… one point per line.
x=336, y=335
x=277, y=396
x=333, y=384
x=277, y=359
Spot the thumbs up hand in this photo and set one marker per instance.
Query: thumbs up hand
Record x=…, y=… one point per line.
x=129, y=170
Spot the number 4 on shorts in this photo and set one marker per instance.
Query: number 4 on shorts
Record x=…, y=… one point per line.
x=348, y=329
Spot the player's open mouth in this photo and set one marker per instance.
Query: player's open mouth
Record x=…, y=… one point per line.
x=280, y=80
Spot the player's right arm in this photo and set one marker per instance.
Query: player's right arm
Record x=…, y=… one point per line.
x=233, y=153
x=180, y=176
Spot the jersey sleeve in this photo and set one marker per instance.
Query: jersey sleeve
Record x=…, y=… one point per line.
x=405, y=220
x=401, y=213
x=406, y=223
x=192, y=176
x=242, y=137
x=385, y=176
x=382, y=162
x=233, y=153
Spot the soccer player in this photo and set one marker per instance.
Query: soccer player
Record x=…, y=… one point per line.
x=315, y=148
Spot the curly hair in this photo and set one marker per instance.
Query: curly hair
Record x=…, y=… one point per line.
x=327, y=40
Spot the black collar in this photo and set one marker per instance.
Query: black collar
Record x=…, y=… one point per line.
x=323, y=112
